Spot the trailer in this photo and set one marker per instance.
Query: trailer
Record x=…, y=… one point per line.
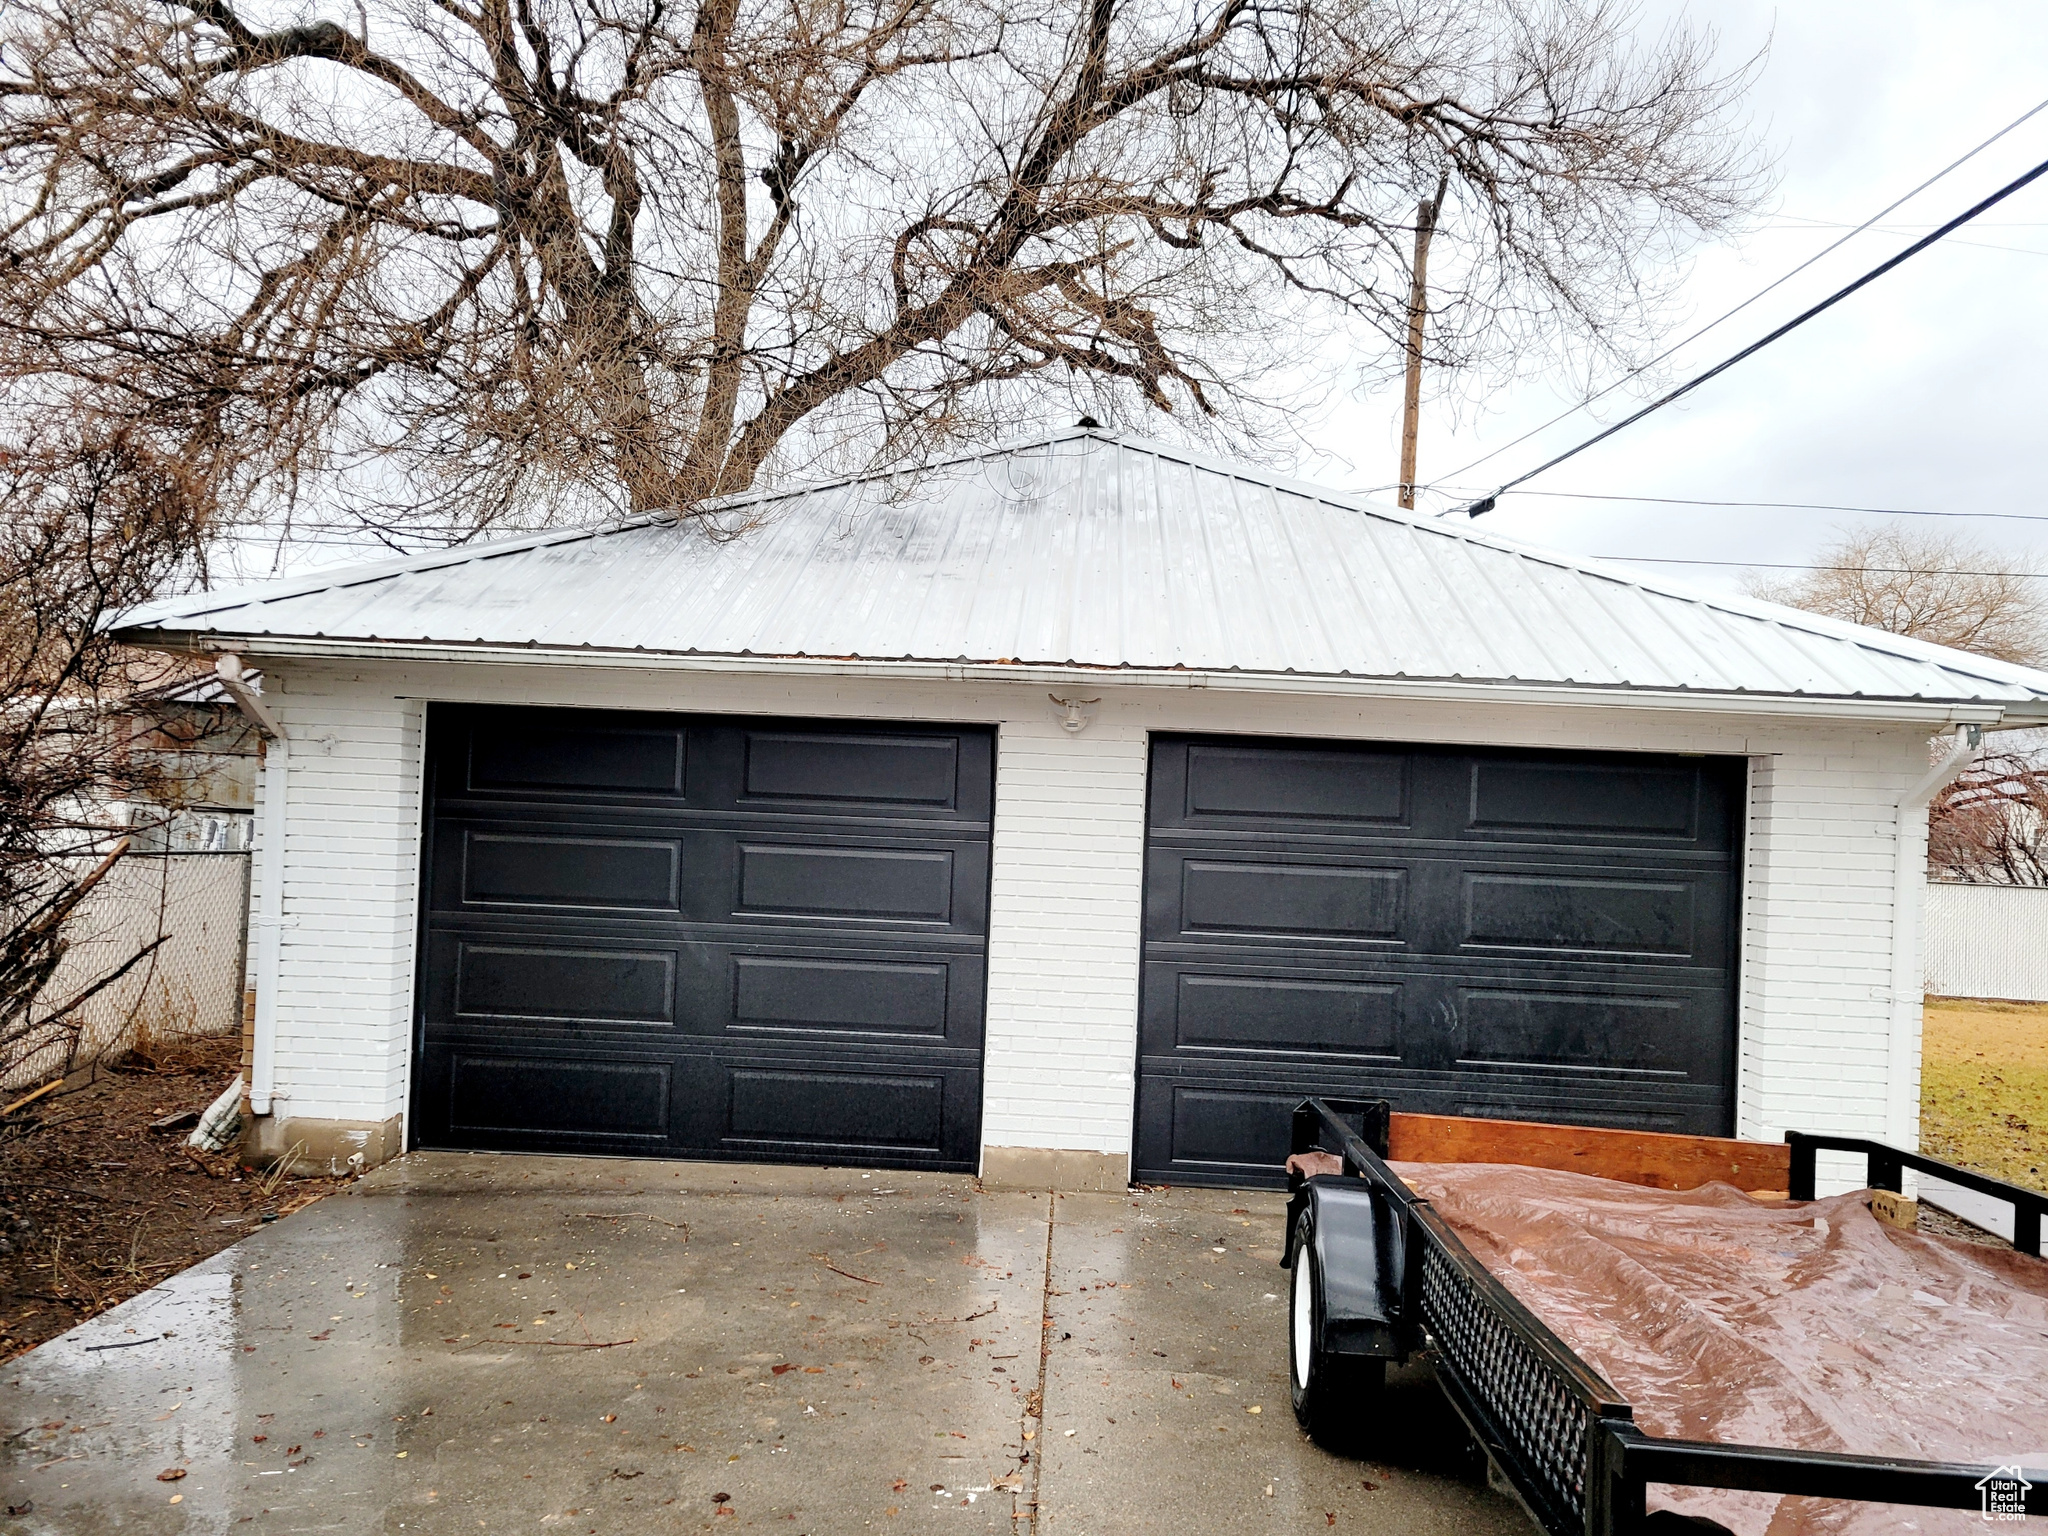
x=1380, y=1276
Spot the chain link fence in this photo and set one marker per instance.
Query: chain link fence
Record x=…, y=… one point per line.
x=191, y=985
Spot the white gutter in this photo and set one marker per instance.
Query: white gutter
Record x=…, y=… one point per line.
x=1909, y=983
x=1933, y=714
x=268, y=920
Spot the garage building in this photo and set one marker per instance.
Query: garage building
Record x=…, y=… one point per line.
x=1065, y=813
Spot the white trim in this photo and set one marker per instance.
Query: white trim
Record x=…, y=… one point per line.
x=1987, y=713
x=1902, y=1117
x=417, y=711
x=1744, y=895
x=269, y=924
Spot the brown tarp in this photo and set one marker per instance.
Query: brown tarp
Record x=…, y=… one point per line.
x=1809, y=1325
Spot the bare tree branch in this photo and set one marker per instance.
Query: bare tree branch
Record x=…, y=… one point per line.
x=453, y=259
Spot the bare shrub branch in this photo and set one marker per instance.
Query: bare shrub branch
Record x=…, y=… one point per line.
x=91, y=521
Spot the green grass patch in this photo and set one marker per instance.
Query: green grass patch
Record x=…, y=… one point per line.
x=1984, y=1087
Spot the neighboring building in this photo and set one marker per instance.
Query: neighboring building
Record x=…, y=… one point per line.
x=180, y=892
x=1066, y=813
x=207, y=754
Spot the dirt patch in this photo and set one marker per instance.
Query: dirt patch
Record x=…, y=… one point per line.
x=96, y=1207
x=1984, y=1087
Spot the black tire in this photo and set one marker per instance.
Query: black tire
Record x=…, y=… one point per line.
x=1335, y=1397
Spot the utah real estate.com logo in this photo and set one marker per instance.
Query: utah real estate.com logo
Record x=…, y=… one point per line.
x=2005, y=1493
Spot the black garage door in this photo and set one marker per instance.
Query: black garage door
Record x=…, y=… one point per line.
x=679, y=936
x=1543, y=936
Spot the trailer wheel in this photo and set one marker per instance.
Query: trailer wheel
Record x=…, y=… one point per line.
x=1335, y=1396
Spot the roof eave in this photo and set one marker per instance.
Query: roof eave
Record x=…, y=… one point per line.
x=1929, y=712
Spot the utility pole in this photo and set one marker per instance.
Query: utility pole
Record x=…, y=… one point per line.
x=1418, y=307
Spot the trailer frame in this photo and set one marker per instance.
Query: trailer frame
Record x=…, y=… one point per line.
x=1555, y=1428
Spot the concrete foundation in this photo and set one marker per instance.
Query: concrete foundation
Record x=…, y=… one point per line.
x=319, y=1148
x=1050, y=1168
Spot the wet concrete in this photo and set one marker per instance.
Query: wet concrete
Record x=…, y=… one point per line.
x=465, y=1344
x=1166, y=1389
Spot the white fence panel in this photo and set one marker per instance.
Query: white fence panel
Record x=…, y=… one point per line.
x=1987, y=941
x=191, y=986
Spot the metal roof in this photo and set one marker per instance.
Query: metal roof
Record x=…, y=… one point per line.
x=1089, y=550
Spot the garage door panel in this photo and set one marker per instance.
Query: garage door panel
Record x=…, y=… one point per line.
x=1603, y=800
x=875, y=997
x=1313, y=901
x=546, y=1096
x=905, y=884
x=526, y=751
x=1580, y=915
x=869, y=1110
x=1234, y=1133
x=512, y=867
x=1234, y=785
x=711, y=938
x=884, y=771
x=711, y=876
x=1275, y=1014
x=1410, y=902
x=555, y=982
x=1540, y=935
x=1229, y=1131
x=1663, y=1034
x=582, y=986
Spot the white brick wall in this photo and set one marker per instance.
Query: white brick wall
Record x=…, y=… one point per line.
x=352, y=806
x=1069, y=839
x=1063, y=936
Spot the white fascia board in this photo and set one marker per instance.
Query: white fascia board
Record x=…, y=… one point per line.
x=1889, y=711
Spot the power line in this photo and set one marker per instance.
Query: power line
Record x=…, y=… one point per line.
x=1486, y=504
x=1785, y=506
x=1738, y=309
x=1907, y=229
x=1858, y=570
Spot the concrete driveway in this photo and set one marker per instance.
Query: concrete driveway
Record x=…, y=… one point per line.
x=463, y=1344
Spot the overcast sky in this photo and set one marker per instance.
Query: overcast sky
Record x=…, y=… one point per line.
x=1926, y=390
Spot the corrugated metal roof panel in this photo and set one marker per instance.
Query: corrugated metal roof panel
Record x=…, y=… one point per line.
x=1094, y=551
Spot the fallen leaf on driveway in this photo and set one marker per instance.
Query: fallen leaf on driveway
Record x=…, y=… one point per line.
x=1014, y=1482
x=170, y=1474
x=782, y=1369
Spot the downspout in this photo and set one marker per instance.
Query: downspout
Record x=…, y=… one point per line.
x=269, y=919
x=1909, y=983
